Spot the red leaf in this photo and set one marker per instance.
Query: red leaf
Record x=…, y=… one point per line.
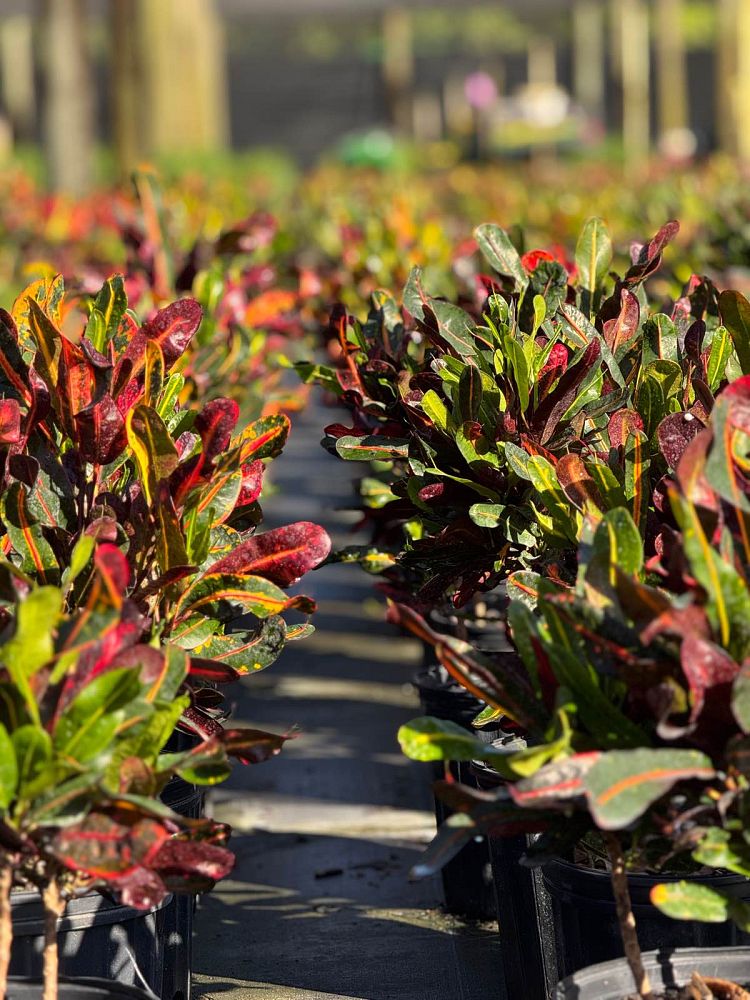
x=10, y=421
x=675, y=433
x=283, y=555
x=252, y=482
x=621, y=424
x=619, y=331
x=173, y=328
x=183, y=856
x=553, y=406
x=101, y=431
x=114, y=570
x=142, y=889
x=215, y=424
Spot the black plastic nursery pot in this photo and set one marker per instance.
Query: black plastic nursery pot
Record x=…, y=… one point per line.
x=482, y=622
x=585, y=921
x=524, y=916
x=467, y=878
x=88, y=988
x=187, y=800
x=96, y=938
x=666, y=968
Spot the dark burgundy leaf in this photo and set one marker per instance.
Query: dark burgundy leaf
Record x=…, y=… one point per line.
x=101, y=431
x=552, y=407
x=675, y=433
x=707, y=667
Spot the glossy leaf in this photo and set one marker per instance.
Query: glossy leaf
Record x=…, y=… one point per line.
x=282, y=555
x=622, y=784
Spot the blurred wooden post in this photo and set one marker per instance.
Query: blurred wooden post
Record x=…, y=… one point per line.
x=742, y=84
x=398, y=66
x=68, y=106
x=726, y=73
x=635, y=64
x=673, y=112
x=128, y=119
x=733, y=78
x=17, y=74
x=588, y=57
x=183, y=75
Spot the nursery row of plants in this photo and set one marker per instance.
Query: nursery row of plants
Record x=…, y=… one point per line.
x=556, y=485
x=558, y=501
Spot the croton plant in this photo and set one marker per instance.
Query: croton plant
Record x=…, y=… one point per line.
x=132, y=582
x=96, y=446
x=631, y=689
x=85, y=712
x=493, y=434
x=588, y=447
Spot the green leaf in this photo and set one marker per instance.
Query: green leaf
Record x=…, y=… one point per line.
x=373, y=448
x=80, y=557
x=33, y=752
x=26, y=536
x=476, y=447
x=637, y=465
x=435, y=409
x=693, y=901
x=716, y=850
x=593, y=255
x=659, y=382
x=8, y=769
x=728, y=600
x=88, y=725
x=721, y=351
x=622, y=784
x=32, y=645
x=735, y=315
x=247, y=652
x=660, y=339
x=540, y=314
x=469, y=394
x=107, y=313
x=520, y=367
x=500, y=253
x=427, y=739
x=741, y=698
x=617, y=546
x=487, y=515
x=454, y=326
x=571, y=663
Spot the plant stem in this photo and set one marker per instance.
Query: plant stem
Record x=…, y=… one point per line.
x=6, y=923
x=626, y=917
x=54, y=907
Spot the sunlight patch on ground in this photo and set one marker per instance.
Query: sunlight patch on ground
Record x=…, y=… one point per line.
x=254, y=810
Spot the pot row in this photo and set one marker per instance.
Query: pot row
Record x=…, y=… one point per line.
x=558, y=929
